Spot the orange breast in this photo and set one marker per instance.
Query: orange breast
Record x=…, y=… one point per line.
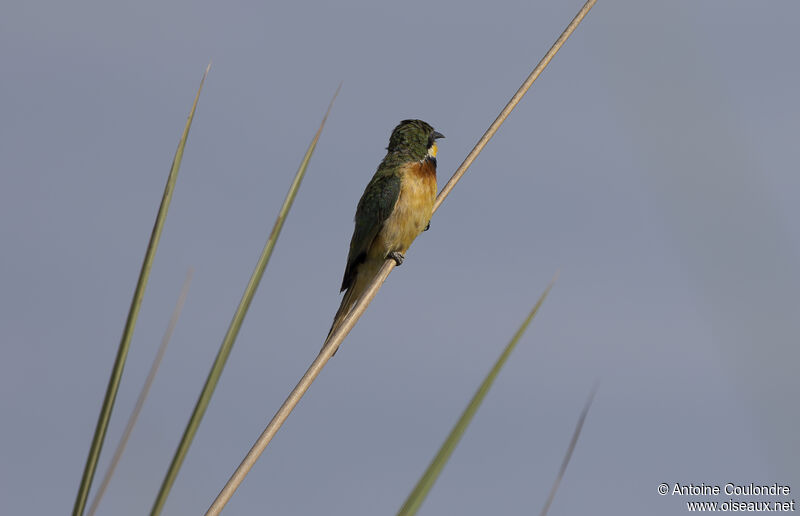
x=413, y=209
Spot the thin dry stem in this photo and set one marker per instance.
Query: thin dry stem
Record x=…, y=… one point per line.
x=123, y=441
x=512, y=103
x=575, y=435
x=335, y=339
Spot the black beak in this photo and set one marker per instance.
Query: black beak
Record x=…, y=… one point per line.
x=436, y=135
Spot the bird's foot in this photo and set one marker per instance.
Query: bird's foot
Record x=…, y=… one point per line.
x=397, y=256
x=427, y=227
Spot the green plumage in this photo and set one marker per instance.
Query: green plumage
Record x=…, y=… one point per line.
x=374, y=208
x=409, y=142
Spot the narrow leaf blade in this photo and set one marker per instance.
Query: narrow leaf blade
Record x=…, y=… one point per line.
x=425, y=483
x=133, y=314
x=233, y=328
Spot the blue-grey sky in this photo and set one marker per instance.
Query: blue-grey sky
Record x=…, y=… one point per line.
x=654, y=163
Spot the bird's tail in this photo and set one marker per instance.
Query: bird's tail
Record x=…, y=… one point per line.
x=365, y=274
x=348, y=301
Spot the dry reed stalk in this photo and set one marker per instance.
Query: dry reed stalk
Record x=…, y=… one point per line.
x=361, y=305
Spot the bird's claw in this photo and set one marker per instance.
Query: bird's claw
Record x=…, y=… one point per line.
x=397, y=256
x=427, y=227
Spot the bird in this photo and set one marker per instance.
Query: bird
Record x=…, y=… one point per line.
x=394, y=209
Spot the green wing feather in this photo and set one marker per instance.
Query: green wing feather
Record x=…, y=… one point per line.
x=374, y=208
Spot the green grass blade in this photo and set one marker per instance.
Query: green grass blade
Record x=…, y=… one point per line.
x=123, y=441
x=420, y=491
x=133, y=313
x=233, y=329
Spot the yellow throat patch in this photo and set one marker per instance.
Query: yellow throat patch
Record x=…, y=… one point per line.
x=432, y=150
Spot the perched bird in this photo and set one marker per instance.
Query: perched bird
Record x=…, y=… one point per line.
x=395, y=207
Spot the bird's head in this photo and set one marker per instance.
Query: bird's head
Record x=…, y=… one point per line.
x=415, y=138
